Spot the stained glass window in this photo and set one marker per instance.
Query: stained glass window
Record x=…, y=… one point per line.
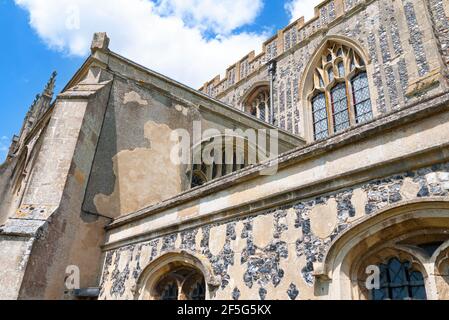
x=180, y=283
x=227, y=161
x=398, y=281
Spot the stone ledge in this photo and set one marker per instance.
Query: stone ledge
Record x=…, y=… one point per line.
x=21, y=227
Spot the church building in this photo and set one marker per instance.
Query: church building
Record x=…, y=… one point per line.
x=317, y=169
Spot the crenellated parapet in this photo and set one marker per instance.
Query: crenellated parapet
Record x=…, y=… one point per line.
x=326, y=13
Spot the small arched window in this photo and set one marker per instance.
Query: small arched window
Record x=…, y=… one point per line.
x=183, y=283
x=228, y=157
x=399, y=281
x=258, y=103
x=340, y=95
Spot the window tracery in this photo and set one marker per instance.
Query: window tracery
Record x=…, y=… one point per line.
x=399, y=280
x=258, y=103
x=182, y=283
x=229, y=158
x=340, y=96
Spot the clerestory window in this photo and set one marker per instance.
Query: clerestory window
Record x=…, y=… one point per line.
x=258, y=103
x=340, y=96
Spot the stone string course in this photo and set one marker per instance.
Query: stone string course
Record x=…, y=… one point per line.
x=262, y=263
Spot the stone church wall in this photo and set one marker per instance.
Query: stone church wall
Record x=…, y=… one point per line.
x=271, y=255
x=134, y=151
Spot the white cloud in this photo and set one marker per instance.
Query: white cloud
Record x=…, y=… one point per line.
x=221, y=16
x=166, y=36
x=298, y=8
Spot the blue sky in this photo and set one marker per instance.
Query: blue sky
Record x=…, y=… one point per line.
x=42, y=36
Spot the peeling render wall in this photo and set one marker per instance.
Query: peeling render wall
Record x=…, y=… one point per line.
x=132, y=167
x=406, y=56
x=271, y=255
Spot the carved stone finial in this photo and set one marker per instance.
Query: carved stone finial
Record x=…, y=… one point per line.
x=100, y=41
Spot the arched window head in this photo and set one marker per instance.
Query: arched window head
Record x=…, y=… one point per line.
x=198, y=178
x=183, y=283
x=229, y=156
x=340, y=93
x=399, y=280
x=258, y=103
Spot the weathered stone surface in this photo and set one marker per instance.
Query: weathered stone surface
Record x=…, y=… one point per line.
x=323, y=219
x=100, y=41
x=101, y=156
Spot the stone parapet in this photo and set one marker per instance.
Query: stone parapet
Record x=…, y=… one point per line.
x=300, y=31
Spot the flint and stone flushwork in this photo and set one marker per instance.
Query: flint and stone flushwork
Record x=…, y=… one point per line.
x=272, y=255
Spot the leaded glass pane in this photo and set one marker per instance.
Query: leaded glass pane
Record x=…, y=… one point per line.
x=170, y=292
x=330, y=73
x=253, y=111
x=198, y=291
x=361, y=97
x=340, y=107
x=320, y=125
x=399, y=282
x=341, y=69
x=197, y=180
x=339, y=62
x=339, y=52
x=321, y=80
x=262, y=111
x=352, y=65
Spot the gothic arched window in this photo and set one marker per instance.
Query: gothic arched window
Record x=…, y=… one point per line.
x=340, y=95
x=399, y=281
x=183, y=283
x=258, y=103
